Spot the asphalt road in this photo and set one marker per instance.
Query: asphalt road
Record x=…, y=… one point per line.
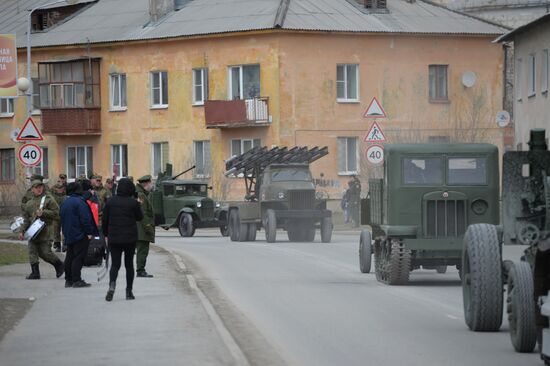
x=314, y=307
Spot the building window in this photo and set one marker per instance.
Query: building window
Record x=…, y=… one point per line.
x=79, y=161
x=203, y=160
x=69, y=84
x=42, y=168
x=159, y=89
x=118, y=92
x=544, y=72
x=200, y=86
x=6, y=107
x=35, y=97
x=532, y=69
x=347, y=155
x=119, y=160
x=518, y=86
x=244, y=82
x=240, y=146
x=159, y=157
x=438, y=82
x=347, y=83
x=7, y=165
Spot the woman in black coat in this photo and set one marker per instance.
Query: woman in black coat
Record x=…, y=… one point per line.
x=120, y=215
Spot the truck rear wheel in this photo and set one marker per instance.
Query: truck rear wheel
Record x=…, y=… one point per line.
x=365, y=251
x=224, y=230
x=233, y=225
x=270, y=226
x=243, y=229
x=251, y=232
x=326, y=229
x=521, y=307
x=482, y=278
x=185, y=225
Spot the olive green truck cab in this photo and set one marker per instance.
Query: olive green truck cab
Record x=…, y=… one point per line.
x=280, y=193
x=185, y=204
x=422, y=207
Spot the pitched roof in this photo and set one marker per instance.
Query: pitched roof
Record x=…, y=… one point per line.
x=510, y=36
x=123, y=20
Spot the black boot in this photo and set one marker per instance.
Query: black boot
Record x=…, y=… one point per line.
x=59, y=268
x=111, y=292
x=35, y=274
x=129, y=295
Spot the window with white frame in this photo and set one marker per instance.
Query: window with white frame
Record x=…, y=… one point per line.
x=200, y=86
x=240, y=146
x=438, y=83
x=531, y=75
x=159, y=89
x=35, y=97
x=119, y=160
x=347, y=83
x=79, y=161
x=518, y=87
x=244, y=81
x=544, y=72
x=7, y=165
x=159, y=152
x=203, y=161
x=42, y=168
x=6, y=107
x=347, y=155
x=118, y=92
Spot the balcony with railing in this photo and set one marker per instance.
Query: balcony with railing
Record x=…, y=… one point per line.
x=71, y=121
x=237, y=113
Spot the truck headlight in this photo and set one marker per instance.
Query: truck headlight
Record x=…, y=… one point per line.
x=480, y=206
x=199, y=204
x=218, y=205
x=281, y=195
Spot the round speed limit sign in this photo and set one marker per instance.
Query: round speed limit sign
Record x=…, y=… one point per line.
x=375, y=154
x=30, y=155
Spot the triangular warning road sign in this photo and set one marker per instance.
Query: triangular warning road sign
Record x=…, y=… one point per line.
x=375, y=134
x=29, y=132
x=375, y=110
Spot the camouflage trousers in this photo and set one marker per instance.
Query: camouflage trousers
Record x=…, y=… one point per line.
x=56, y=231
x=41, y=249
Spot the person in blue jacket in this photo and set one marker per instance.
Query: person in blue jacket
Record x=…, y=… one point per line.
x=78, y=226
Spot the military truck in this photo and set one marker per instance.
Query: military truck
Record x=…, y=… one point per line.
x=280, y=193
x=185, y=204
x=525, y=221
x=420, y=210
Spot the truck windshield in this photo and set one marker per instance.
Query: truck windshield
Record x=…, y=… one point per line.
x=191, y=190
x=467, y=171
x=291, y=175
x=422, y=171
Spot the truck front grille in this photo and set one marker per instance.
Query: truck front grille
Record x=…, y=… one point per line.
x=445, y=218
x=207, y=209
x=301, y=199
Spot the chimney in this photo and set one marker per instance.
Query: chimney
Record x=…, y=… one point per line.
x=159, y=8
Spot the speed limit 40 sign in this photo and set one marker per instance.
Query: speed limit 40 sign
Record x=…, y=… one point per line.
x=30, y=155
x=375, y=154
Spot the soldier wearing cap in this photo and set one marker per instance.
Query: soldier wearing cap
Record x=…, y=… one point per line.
x=99, y=191
x=146, y=227
x=40, y=246
x=59, y=195
x=107, y=191
x=63, y=180
x=28, y=194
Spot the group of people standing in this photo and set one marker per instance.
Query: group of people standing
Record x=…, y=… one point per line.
x=351, y=202
x=85, y=210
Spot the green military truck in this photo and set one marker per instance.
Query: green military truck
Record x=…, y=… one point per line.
x=185, y=204
x=280, y=193
x=420, y=210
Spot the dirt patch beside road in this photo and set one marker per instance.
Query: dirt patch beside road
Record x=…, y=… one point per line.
x=13, y=253
x=11, y=312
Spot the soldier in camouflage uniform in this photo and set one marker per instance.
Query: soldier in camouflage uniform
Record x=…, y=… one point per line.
x=59, y=195
x=107, y=192
x=40, y=247
x=100, y=192
x=28, y=194
x=354, y=200
x=146, y=227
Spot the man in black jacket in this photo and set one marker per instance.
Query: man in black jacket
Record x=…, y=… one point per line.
x=119, y=225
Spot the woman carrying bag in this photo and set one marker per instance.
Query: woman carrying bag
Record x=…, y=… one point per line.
x=119, y=224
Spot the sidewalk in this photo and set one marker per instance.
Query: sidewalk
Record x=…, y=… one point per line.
x=165, y=325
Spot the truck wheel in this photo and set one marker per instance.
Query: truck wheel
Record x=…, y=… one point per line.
x=185, y=226
x=243, y=229
x=482, y=278
x=326, y=229
x=365, y=251
x=251, y=234
x=441, y=269
x=224, y=230
x=270, y=225
x=521, y=307
x=393, y=262
x=234, y=225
